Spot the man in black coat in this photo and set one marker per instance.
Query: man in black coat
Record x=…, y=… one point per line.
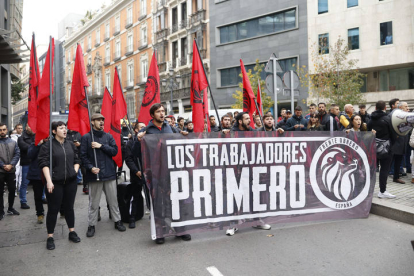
x=213, y=125
x=101, y=175
x=365, y=117
x=333, y=120
x=297, y=122
x=381, y=123
x=24, y=143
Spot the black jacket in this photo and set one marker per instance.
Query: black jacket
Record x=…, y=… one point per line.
x=236, y=128
x=64, y=157
x=9, y=154
x=214, y=128
x=334, y=123
x=282, y=124
x=319, y=128
x=295, y=120
x=131, y=160
x=24, y=142
x=152, y=129
x=263, y=129
x=103, y=156
x=381, y=123
x=34, y=171
x=323, y=119
x=365, y=118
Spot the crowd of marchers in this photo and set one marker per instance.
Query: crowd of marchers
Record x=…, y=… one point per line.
x=87, y=160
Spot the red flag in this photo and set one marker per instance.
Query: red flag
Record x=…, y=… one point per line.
x=119, y=111
x=152, y=92
x=78, y=107
x=43, y=100
x=248, y=95
x=106, y=109
x=259, y=100
x=34, y=78
x=199, y=85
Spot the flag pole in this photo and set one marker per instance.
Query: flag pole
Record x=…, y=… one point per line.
x=208, y=82
x=90, y=124
x=261, y=119
x=50, y=104
x=35, y=65
x=261, y=104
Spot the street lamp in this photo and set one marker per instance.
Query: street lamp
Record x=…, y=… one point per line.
x=171, y=83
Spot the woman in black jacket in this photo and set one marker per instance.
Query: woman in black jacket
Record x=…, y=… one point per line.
x=314, y=124
x=62, y=186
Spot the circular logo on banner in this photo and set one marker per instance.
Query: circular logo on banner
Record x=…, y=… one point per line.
x=151, y=90
x=340, y=173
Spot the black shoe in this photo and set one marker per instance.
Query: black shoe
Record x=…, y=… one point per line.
x=185, y=237
x=73, y=237
x=1, y=216
x=99, y=214
x=44, y=200
x=12, y=211
x=86, y=191
x=159, y=241
x=132, y=224
x=91, y=231
x=403, y=174
x=50, y=243
x=120, y=226
x=24, y=206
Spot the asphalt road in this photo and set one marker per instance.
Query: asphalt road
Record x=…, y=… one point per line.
x=373, y=246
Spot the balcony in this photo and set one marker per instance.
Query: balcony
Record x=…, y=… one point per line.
x=128, y=23
x=99, y=90
x=174, y=63
x=129, y=84
x=107, y=36
x=203, y=54
x=97, y=42
x=116, y=30
x=141, y=79
x=107, y=61
x=142, y=14
x=129, y=50
x=142, y=44
x=174, y=28
x=183, y=24
x=198, y=17
x=162, y=66
x=89, y=48
x=162, y=34
x=117, y=56
x=182, y=61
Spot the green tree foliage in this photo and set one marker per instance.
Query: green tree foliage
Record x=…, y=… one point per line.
x=17, y=87
x=334, y=78
x=254, y=78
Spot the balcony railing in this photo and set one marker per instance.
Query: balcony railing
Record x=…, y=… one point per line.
x=174, y=28
x=107, y=36
x=198, y=16
x=162, y=66
x=128, y=84
x=117, y=55
x=162, y=34
x=116, y=30
x=183, y=24
x=99, y=90
x=142, y=44
x=107, y=60
x=203, y=54
x=89, y=49
x=142, y=14
x=141, y=79
x=129, y=50
x=174, y=63
x=128, y=23
x=97, y=42
x=182, y=61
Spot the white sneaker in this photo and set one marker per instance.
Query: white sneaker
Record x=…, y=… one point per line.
x=385, y=194
x=263, y=226
x=231, y=231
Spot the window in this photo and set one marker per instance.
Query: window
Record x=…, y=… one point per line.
x=130, y=43
x=144, y=69
x=107, y=53
x=322, y=6
x=118, y=49
x=352, y=3
x=69, y=92
x=120, y=73
x=129, y=15
x=144, y=35
x=386, y=33
x=82, y=46
x=107, y=30
x=143, y=7
x=264, y=25
x=131, y=106
x=90, y=86
x=353, y=39
x=69, y=55
x=108, y=79
x=231, y=76
x=69, y=74
x=98, y=36
x=117, y=24
x=130, y=74
x=397, y=79
x=89, y=42
x=323, y=44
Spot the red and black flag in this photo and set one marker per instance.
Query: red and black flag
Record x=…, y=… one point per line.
x=119, y=111
x=43, y=98
x=249, y=105
x=198, y=95
x=34, y=79
x=78, y=119
x=106, y=109
x=152, y=92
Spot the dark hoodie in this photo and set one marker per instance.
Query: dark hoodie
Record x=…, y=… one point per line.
x=381, y=123
x=153, y=129
x=295, y=120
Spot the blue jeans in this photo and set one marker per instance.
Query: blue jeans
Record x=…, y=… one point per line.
x=79, y=177
x=23, y=186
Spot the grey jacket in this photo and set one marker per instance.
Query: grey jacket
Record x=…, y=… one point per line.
x=9, y=154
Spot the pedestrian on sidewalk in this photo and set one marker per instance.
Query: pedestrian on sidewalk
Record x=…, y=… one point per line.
x=61, y=186
x=381, y=123
x=19, y=130
x=24, y=143
x=105, y=147
x=9, y=156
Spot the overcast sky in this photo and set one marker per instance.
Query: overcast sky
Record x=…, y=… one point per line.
x=42, y=16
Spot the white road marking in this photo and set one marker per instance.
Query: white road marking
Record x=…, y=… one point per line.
x=214, y=271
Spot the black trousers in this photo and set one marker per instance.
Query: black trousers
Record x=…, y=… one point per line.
x=38, y=194
x=62, y=193
x=384, y=170
x=397, y=164
x=137, y=201
x=10, y=180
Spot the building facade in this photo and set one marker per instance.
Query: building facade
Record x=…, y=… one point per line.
x=19, y=108
x=379, y=34
x=176, y=24
x=247, y=31
x=118, y=35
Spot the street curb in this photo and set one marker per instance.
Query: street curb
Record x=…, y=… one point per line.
x=388, y=209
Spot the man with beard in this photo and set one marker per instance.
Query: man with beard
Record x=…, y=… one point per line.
x=322, y=114
x=24, y=143
x=158, y=125
x=333, y=122
x=269, y=124
x=257, y=122
x=213, y=125
x=312, y=110
x=105, y=148
x=297, y=122
x=225, y=124
x=9, y=156
x=243, y=124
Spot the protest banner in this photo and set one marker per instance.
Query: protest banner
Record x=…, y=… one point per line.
x=208, y=181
